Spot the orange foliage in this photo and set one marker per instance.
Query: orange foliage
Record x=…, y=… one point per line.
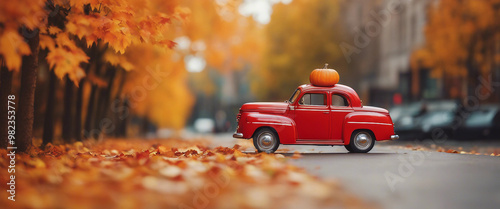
x=157, y=88
x=298, y=40
x=64, y=56
x=119, y=24
x=12, y=48
x=13, y=15
x=460, y=38
x=163, y=174
x=231, y=39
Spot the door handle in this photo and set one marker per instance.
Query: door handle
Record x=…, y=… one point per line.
x=326, y=112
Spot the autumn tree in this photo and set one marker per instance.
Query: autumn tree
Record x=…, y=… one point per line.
x=158, y=93
x=225, y=39
x=115, y=24
x=226, y=42
x=19, y=40
x=462, y=45
x=298, y=41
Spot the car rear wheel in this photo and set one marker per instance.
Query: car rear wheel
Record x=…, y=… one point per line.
x=361, y=142
x=266, y=140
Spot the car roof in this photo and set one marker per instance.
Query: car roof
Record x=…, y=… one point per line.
x=356, y=102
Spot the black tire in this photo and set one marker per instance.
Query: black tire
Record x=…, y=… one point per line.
x=266, y=140
x=362, y=141
x=348, y=148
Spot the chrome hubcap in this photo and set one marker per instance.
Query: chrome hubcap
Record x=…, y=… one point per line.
x=362, y=140
x=266, y=141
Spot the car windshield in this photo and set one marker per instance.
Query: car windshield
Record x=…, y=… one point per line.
x=294, y=96
x=480, y=118
x=438, y=117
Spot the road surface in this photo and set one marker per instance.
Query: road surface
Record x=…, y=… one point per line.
x=394, y=177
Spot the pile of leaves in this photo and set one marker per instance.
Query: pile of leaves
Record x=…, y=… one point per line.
x=164, y=174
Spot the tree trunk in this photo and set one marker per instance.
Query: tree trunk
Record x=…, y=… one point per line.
x=103, y=100
x=48, y=124
x=79, y=96
x=90, y=111
x=25, y=117
x=68, y=113
x=5, y=90
x=89, y=126
x=78, y=112
x=116, y=113
x=122, y=120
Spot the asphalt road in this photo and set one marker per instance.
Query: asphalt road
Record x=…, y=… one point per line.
x=412, y=179
x=393, y=177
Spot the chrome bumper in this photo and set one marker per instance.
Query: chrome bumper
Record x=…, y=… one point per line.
x=394, y=137
x=238, y=135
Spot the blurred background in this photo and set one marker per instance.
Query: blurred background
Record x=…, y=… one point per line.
x=433, y=63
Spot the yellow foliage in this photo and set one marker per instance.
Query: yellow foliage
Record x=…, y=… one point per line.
x=231, y=39
x=118, y=59
x=122, y=23
x=459, y=37
x=201, y=82
x=157, y=87
x=65, y=57
x=298, y=41
x=12, y=48
x=13, y=16
x=28, y=13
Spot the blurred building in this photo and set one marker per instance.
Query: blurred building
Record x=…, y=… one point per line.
x=355, y=15
x=404, y=34
x=393, y=30
x=231, y=90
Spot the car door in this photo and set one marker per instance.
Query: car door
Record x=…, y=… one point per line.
x=340, y=107
x=312, y=117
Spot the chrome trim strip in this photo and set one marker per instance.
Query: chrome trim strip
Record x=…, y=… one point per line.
x=268, y=123
x=346, y=110
x=312, y=110
x=375, y=123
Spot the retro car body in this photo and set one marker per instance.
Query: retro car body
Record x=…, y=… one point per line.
x=315, y=116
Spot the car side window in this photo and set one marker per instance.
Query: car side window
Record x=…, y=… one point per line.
x=339, y=101
x=294, y=96
x=313, y=99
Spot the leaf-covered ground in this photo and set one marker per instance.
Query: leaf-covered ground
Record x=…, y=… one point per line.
x=164, y=174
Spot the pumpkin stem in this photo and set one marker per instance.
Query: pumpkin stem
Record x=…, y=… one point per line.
x=326, y=65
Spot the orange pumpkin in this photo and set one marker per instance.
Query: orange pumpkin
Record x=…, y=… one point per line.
x=324, y=77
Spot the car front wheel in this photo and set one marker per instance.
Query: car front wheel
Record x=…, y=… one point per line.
x=361, y=142
x=266, y=140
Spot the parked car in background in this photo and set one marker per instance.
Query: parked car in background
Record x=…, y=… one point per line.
x=483, y=123
x=204, y=125
x=419, y=120
x=406, y=120
x=438, y=124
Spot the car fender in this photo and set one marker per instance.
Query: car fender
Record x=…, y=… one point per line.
x=379, y=124
x=285, y=127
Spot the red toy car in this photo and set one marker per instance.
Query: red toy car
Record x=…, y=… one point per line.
x=315, y=116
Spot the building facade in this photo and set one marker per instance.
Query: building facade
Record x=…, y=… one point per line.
x=393, y=30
